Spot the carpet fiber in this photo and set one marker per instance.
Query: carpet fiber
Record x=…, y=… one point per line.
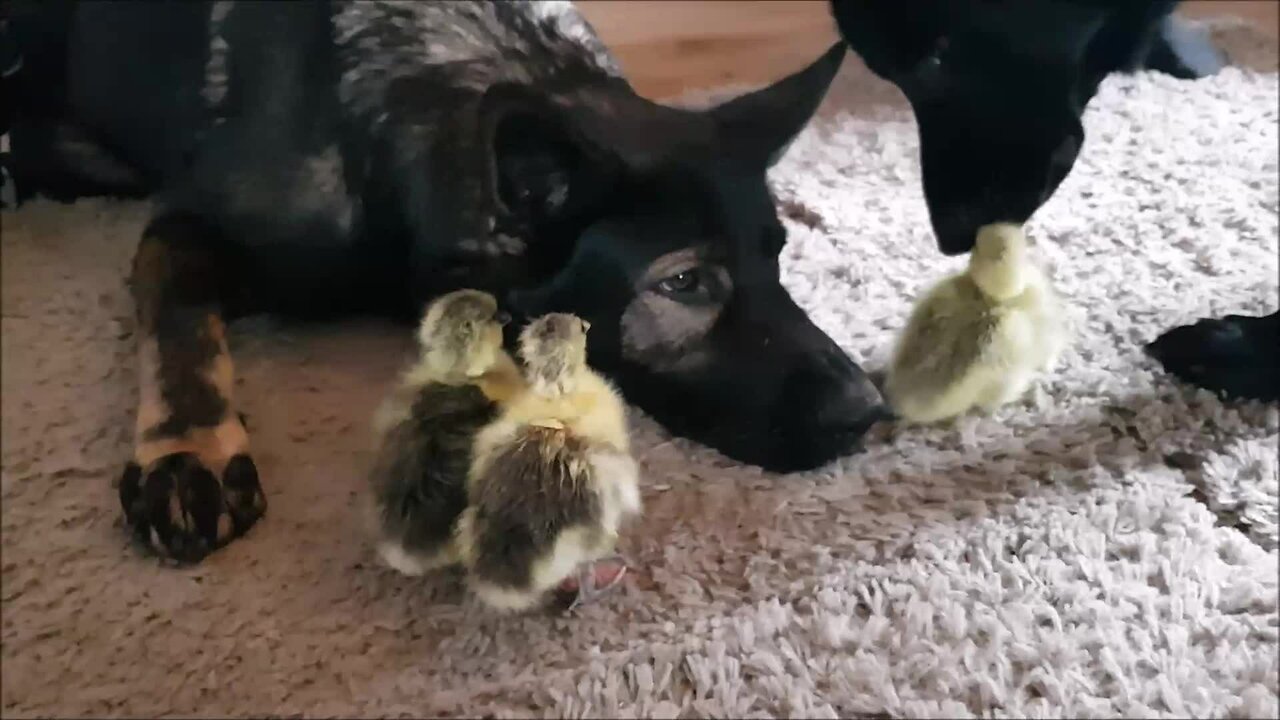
x=1105, y=547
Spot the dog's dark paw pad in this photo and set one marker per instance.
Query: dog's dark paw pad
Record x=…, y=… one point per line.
x=1232, y=355
x=178, y=507
x=135, y=510
x=182, y=500
x=243, y=493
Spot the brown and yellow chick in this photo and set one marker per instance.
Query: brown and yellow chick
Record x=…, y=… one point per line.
x=427, y=426
x=977, y=339
x=552, y=480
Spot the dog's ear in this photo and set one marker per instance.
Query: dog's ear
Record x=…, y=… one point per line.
x=543, y=167
x=757, y=128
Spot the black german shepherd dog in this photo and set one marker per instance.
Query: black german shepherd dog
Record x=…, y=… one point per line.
x=335, y=156
x=998, y=88
x=338, y=156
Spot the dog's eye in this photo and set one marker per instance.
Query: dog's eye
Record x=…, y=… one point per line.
x=688, y=282
x=700, y=283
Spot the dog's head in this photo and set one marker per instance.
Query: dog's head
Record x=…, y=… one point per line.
x=656, y=225
x=998, y=88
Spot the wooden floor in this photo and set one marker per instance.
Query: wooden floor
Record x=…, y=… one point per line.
x=669, y=46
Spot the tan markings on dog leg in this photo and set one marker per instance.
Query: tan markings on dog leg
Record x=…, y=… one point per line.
x=222, y=371
x=152, y=409
x=214, y=446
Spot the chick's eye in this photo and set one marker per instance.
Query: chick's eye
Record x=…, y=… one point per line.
x=682, y=283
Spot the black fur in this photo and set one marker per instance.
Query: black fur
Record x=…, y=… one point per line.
x=1237, y=356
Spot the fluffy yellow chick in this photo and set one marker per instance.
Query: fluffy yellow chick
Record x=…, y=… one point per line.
x=427, y=425
x=552, y=480
x=978, y=338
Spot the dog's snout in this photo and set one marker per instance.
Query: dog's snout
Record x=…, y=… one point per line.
x=830, y=399
x=955, y=229
x=851, y=408
x=850, y=401
x=1060, y=164
x=984, y=176
x=825, y=407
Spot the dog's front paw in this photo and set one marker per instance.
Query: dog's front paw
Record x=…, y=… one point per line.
x=184, y=510
x=1236, y=355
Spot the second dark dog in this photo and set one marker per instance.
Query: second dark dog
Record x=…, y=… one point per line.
x=998, y=88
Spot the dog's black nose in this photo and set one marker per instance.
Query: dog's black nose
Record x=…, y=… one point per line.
x=824, y=409
x=844, y=396
x=955, y=228
x=852, y=406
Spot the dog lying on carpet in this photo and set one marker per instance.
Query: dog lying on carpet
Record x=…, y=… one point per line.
x=339, y=156
x=998, y=90
x=336, y=156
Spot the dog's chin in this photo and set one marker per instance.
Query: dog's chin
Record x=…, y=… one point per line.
x=956, y=244
x=778, y=450
x=776, y=439
x=956, y=230
x=788, y=452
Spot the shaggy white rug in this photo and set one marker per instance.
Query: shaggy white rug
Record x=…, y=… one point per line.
x=1106, y=547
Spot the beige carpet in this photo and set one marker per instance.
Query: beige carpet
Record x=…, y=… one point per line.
x=1107, y=547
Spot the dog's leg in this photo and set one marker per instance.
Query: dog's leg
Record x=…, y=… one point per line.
x=54, y=157
x=1238, y=355
x=192, y=486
